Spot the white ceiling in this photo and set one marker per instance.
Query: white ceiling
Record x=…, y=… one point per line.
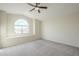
x=54, y=10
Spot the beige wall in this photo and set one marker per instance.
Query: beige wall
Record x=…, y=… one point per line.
x=9, y=38
x=64, y=29
x=0, y=31
x=3, y=18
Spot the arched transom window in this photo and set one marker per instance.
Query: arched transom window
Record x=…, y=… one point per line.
x=21, y=26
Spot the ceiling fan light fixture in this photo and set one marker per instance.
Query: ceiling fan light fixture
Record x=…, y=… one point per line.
x=36, y=8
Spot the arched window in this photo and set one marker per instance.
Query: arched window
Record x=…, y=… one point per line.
x=21, y=26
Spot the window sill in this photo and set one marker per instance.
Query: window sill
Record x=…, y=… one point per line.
x=18, y=36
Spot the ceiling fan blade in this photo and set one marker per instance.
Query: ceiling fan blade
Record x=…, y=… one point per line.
x=37, y=4
x=39, y=11
x=43, y=7
x=31, y=4
x=32, y=9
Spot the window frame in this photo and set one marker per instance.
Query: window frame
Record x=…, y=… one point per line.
x=21, y=27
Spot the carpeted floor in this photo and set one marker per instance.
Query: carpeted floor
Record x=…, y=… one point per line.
x=40, y=48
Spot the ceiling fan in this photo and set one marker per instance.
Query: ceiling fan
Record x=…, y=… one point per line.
x=37, y=7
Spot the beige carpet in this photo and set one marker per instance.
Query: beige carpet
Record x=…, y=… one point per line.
x=40, y=48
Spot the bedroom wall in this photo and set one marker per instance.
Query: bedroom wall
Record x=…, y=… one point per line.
x=63, y=29
x=0, y=30
x=3, y=18
x=8, y=37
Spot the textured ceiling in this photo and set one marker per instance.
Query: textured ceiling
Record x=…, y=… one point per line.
x=54, y=10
